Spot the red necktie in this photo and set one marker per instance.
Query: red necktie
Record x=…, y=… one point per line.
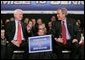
x=19, y=37
x=63, y=29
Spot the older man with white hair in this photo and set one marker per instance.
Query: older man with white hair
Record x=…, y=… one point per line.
x=16, y=33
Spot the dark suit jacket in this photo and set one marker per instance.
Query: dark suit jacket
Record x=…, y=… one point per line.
x=10, y=30
x=71, y=25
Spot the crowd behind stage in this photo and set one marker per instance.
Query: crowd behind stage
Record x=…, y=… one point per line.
x=36, y=27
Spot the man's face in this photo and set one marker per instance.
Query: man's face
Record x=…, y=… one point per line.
x=34, y=21
x=60, y=15
x=26, y=20
x=2, y=33
x=39, y=21
x=18, y=15
x=49, y=24
x=1, y=22
x=53, y=18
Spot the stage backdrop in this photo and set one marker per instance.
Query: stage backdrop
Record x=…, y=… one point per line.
x=76, y=7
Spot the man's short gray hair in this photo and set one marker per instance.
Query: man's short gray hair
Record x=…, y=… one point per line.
x=18, y=10
x=64, y=10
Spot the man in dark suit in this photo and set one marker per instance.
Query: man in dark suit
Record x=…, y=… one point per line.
x=66, y=34
x=3, y=44
x=16, y=34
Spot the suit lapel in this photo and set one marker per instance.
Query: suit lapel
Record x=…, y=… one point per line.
x=69, y=27
x=14, y=27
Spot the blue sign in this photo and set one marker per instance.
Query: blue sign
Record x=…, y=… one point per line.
x=40, y=44
x=42, y=5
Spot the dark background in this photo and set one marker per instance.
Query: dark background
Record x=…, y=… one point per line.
x=45, y=17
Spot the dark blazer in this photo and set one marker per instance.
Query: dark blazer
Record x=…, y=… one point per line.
x=10, y=30
x=71, y=25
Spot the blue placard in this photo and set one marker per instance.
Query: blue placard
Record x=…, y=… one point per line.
x=40, y=44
